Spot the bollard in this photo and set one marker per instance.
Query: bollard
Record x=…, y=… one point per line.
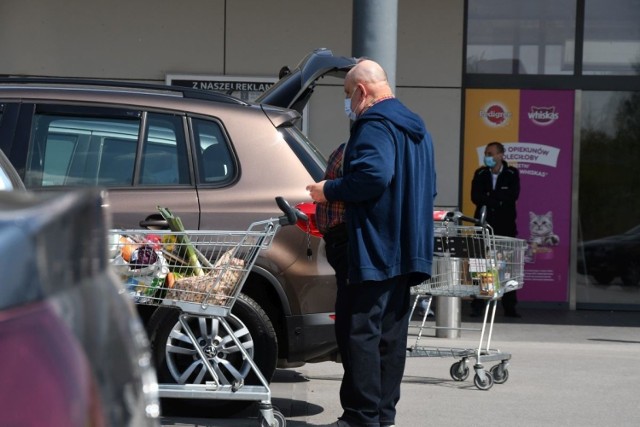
x=448, y=315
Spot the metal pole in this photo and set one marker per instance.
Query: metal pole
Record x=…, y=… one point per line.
x=375, y=33
x=448, y=314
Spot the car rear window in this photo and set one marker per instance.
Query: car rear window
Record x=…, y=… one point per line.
x=309, y=155
x=216, y=162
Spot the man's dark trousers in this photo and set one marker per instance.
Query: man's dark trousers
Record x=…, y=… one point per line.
x=375, y=316
x=336, y=248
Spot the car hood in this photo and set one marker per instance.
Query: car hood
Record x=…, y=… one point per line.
x=295, y=87
x=619, y=239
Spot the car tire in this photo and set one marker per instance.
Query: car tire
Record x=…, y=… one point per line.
x=603, y=278
x=631, y=274
x=174, y=353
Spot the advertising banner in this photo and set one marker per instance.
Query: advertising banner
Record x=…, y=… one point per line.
x=536, y=128
x=245, y=88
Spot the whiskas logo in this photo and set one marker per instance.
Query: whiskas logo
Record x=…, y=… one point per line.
x=495, y=114
x=543, y=116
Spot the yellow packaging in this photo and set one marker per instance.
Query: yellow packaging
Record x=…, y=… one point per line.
x=489, y=283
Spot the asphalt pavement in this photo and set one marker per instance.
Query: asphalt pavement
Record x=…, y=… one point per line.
x=567, y=368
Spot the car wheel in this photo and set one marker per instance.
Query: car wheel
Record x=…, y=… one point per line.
x=631, y=274
x=177, y=361
x=603, y=277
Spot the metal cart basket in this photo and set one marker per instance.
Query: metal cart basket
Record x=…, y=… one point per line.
x=201, y=273
x=470, y=261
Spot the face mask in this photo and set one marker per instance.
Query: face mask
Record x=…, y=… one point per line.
x=489, y=161
x=347, y=107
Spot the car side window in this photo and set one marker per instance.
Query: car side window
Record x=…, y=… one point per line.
x=164, y=156
x=81, y=151
x=72, y=150
x=216, y=161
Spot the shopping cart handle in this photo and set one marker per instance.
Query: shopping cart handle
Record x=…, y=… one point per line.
x=291, y=215
x=483, y=216
x=459, y=216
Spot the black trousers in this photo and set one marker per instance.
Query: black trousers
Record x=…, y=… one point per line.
x=372, y=320
x=336, y=247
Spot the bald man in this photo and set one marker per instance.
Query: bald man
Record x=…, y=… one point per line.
x=388, y=186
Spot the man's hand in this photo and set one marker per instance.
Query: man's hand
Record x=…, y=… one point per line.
x=316, y=191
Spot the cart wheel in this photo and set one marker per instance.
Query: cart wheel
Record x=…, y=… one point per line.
x=500, y=375
x=483, y=385
x=459, y=371
x=278, y=420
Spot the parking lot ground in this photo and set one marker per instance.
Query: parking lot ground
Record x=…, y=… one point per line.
x=568, y=368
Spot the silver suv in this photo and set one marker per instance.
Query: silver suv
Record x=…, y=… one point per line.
x=215, y=161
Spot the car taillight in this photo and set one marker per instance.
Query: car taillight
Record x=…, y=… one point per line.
x=440, y=215
x=309, y=209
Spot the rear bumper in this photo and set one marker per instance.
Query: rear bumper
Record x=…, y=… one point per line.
x=311, y=338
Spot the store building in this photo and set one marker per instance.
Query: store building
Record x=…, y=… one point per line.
x=555, y=80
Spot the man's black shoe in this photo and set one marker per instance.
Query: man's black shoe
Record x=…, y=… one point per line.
x=513, y=314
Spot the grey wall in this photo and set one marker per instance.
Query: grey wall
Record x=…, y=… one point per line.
x=139, y=39
x=148, y=39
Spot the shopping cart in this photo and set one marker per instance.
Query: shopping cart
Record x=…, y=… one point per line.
x=201, y=273
x=471, y=261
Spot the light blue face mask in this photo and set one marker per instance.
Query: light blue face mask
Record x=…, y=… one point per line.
x=347, y=109
x=489, y=161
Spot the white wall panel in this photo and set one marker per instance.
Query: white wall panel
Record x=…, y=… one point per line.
x=262, y=36
x=116, y=39
x=430, y=34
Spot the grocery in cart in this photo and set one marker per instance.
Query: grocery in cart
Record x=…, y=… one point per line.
x=201, y=274
x=471, y=261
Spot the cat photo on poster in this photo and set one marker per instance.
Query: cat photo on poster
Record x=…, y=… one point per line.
x=542, y=239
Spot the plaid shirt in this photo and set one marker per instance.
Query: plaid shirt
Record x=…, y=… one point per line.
x=330, y=214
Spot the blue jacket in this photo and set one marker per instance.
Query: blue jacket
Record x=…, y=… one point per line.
x=388, y=186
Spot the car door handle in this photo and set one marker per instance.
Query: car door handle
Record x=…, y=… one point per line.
x=154, y=223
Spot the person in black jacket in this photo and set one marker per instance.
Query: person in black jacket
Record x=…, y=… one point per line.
x=497, y=186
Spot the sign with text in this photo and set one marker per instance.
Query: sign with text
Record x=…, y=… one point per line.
x=536, y=129
x=245, y=88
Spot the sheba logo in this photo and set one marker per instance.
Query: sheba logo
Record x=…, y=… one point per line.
x=543, y=116
x=495, y=115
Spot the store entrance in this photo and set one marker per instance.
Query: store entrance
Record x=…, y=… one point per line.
x=608, y=247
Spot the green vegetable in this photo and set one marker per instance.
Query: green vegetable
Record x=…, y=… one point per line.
x=191, y=253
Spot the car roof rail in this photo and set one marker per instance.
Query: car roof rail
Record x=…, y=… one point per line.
x=186, y=92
